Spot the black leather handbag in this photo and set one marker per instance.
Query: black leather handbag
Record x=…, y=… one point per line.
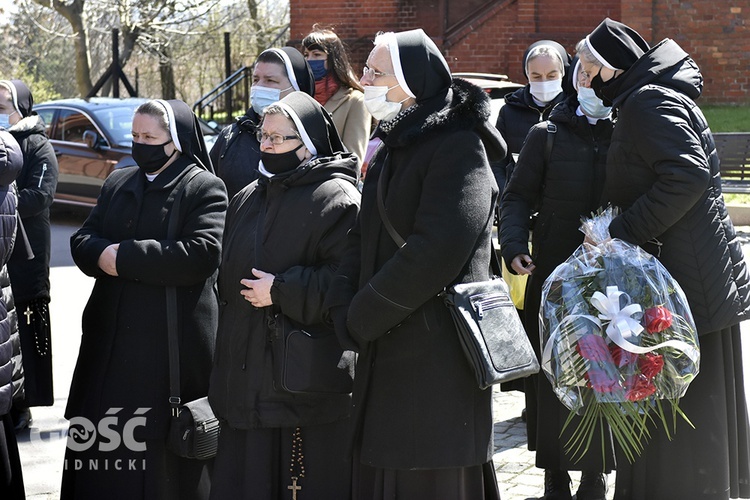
x=193, y=428
x=489, y=329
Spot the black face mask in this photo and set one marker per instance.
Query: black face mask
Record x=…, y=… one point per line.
x=278, y=163
x=598, y=85
x=151, y=157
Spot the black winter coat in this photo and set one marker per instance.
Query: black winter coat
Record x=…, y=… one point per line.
x=663, y=171
x=514, y=121
x=10, y=344
x=563, y=190
x=236, y=153
x=36, y=183
x=123, y=360
x=308, y=213
x=416, y=402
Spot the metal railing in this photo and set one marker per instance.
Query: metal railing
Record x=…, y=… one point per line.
x=228, y=88
x=208, y=101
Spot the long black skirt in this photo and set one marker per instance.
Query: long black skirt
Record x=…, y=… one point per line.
x=11, y=477
x=122, y=474
x=712, y=461
x=477, y=482
x=257, y=464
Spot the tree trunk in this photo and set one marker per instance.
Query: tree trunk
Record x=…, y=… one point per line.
x=73, y=12
x=166, y=71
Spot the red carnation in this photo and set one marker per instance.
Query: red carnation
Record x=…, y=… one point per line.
x=594, y=348
x=621, y=356
x=638, y=387
x=651, y=364
x=657, y=319
x=600, y=381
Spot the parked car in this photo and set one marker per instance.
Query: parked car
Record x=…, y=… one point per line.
x=497, y=86
x=91, y=138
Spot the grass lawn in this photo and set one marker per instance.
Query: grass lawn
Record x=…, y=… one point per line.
x=728, y=118
x=737, y=198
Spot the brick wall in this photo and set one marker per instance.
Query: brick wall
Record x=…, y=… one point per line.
x=714, y=32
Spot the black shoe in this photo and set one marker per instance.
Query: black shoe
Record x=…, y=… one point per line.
x=593, y=486
x=556, y=485
x=21, y=419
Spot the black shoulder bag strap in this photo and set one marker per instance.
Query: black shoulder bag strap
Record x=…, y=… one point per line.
x=172, y=336
x=551, y=131
x=400, y=242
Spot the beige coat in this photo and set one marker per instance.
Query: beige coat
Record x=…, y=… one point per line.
x=347, y=106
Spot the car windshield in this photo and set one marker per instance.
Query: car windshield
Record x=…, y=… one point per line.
x=118, y=120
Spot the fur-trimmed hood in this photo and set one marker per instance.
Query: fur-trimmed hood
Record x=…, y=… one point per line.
x=28, y=125
x=464, y=107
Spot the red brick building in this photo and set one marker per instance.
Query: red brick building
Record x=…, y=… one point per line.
x=491, y=36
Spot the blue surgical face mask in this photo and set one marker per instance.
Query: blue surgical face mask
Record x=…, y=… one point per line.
x=262, y=97
x=318, y=67
x=591, y=105
x=4, y=121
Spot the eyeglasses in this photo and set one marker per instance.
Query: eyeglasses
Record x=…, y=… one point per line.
x=367, y=71
x=276, y=139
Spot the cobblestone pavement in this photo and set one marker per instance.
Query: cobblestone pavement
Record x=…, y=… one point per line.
x=519, y=479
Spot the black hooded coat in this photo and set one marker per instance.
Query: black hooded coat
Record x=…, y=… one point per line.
x=663, y=170
x=36, y=184
x=307, y=213
x=563, y=187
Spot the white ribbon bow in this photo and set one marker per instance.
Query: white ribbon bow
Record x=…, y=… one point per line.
x=621, y=325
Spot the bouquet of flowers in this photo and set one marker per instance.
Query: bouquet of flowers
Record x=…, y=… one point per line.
x=619, y=341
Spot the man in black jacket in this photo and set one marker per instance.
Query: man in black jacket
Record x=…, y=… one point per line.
x=30, y=276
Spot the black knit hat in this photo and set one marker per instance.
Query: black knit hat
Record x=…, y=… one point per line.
x=616, y=45
x=186, y=132
x=20, y=95
x=297, y=69
x=420, y=68
x=549, y=43
x=314, y=124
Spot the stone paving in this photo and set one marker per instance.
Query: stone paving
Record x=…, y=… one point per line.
x=519, y=479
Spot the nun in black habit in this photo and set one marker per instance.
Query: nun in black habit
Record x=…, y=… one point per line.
x=236, y=153
x=118, y=405
x=423, y=427
x=663, y=172
x=285, y=235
